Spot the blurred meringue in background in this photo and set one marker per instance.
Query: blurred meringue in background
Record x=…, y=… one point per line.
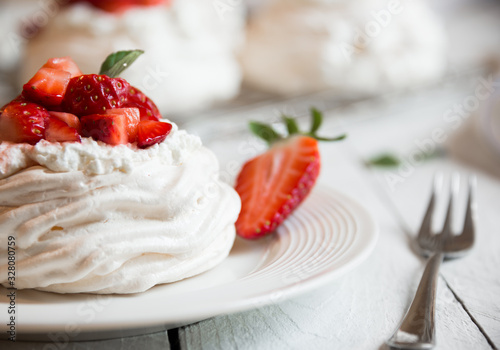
x=362, y=46
x=189, y=61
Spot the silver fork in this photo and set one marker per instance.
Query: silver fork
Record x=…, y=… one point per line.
x=416, y=330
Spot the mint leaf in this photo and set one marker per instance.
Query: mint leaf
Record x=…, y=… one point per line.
x=265, y=132
x=117, y=62
x=384, y=160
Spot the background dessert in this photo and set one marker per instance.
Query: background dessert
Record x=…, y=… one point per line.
x=362, y=46
x=190, y=60
x=96, y=218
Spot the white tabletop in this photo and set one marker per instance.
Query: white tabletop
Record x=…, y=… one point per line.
x=361, y=309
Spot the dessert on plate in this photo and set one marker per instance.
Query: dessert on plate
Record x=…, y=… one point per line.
x=101, y=195
x=361, y=46
x=190, y=59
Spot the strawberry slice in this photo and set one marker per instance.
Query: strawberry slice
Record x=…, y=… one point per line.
x=108, y=128
x=70, y=119
x=94, y=94
x=151, y=132
x=58, y=131
x=132, y=118
x=272, y=185
x=47, y=86
x=22, y=121
x=64, y=63
x=147, y=108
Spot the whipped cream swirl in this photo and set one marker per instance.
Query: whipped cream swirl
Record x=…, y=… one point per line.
x=153, y=216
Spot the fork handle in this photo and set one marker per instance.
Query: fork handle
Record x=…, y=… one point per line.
x=416, y=331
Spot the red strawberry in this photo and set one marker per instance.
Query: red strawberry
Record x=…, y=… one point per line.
x=58, y=131
x=65, y=64
x=108, y=128
x=132, y=118
x=70, y=119
x=47, y=86
x=22, y=121
x=151, y=132
x=119, y=6
x=94, y=94
x=273, y=184
x=148, y=109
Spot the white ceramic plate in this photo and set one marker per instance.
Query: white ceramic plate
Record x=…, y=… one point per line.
x=326, y=237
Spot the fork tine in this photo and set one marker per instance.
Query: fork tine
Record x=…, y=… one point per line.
x=425, y=231
x=469, y=230
x=454, y=186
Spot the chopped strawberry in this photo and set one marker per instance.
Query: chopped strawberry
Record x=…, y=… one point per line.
x=94, y=94
x=47, y=86
x=132, y=118
x=151, y=132
x=119, y=6
x=148, y=109
x=58, y=131
x=108, y=128
x=70, y=119
x=64, y=63
x=22, y=121
x=273, y=184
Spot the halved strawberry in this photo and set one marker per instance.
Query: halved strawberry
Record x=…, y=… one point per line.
x=64, y=63
x=132, y=118
x=94, y=94
x=273, y=184
x=108, y=128
x=58, y=131
x=22, y=121
x=70, y=119
x=151, y=132
x=147, y=108
x=47, y=86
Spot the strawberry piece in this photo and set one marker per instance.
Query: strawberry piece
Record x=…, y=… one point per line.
x=22, y=121
x=58, y=131
x=147, y=108
x=132, y=118
x=47, y=86
x=119, y=6
x=108, y=128
x=70, y=119
x=64, y=63
x=151, y=132
x=273, y=184
x=94, y=94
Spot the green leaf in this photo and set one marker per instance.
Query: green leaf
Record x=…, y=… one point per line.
x=265, y=132
x=291, y=125
x=384, y=160
x=337, y=138
x=317, y=120
x=119, y=61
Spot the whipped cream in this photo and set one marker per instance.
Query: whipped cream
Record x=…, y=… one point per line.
x=362, y=46
x=85, y=222
x=189, y=61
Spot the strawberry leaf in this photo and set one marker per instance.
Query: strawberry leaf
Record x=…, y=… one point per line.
x=117, y=62
x=317, y=120
x=291, y=125
x=265, y=132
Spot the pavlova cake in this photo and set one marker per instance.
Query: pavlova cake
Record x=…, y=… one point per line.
x=101, y=195
x=361, y=46
x=190, y=60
